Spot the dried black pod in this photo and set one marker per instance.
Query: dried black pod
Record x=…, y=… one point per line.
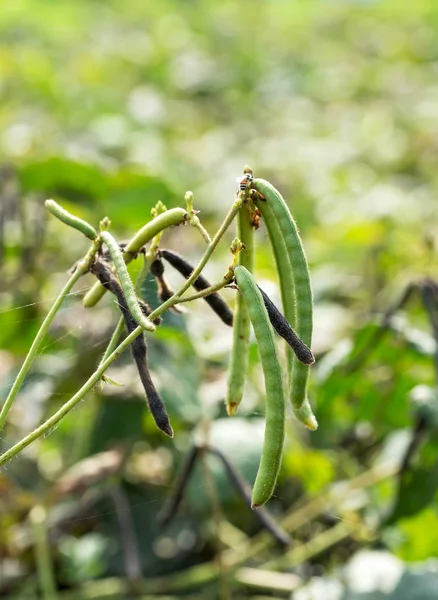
x=215, y=302
x=138, y=347
x=282, y=327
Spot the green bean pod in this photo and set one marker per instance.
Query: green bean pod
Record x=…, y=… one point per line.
x=239, y=359
x=69, y=219
x=285, y=239
x=270, y=461
x=125, y=282
x=286, y=280
x=306, y=416
x=169, y=218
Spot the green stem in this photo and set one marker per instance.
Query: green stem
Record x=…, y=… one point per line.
x=81, y=268
x=193, y=218
x=197, y=223
x=148, y=260
x=114, y=339
x=68, y=406
x=206, y=292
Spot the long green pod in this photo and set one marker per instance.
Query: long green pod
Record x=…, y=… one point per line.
x=270, y=461
x=170, y=218
x=287, y=289
x=239, y=359
x=125, y=282
x=69, y=219
x=275, y=206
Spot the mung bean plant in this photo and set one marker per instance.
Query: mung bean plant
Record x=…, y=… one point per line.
x=256, y=200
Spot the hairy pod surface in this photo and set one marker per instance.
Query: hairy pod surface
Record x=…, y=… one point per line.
x=125, y=282
x=270, y=461
x=275, y=209
x=216, y=303
x=239, y=359
x=69, y=219
x=286, y=281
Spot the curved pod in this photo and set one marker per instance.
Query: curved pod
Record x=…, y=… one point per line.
x=125, y=282
x=289, y=240
x=270, y=461
x=69, y=219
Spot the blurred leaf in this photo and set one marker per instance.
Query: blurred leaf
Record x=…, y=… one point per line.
x=419, y=535
x=419, y=484
x=314, y=469
x=78, y=182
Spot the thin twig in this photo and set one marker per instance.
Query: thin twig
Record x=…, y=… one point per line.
x=244, y=491
x=172, y=503
x=206, y=292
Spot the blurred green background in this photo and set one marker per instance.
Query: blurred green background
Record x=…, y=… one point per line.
x=109, y=107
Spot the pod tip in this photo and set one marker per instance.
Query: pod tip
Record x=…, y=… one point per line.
x=305, y=415
x=311, y=423
x=167, y=429
x=232, y=409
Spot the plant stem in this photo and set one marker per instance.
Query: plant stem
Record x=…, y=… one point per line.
x=114, y=339
x=202, y=230
x=210, y=290
x=68, y=406
x=81, y=268
x=192, y=216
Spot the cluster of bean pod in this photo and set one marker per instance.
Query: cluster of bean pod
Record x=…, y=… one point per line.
x=259, y=199
x=253, y=306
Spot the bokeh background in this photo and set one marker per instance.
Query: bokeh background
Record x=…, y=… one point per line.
x=109, y=107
